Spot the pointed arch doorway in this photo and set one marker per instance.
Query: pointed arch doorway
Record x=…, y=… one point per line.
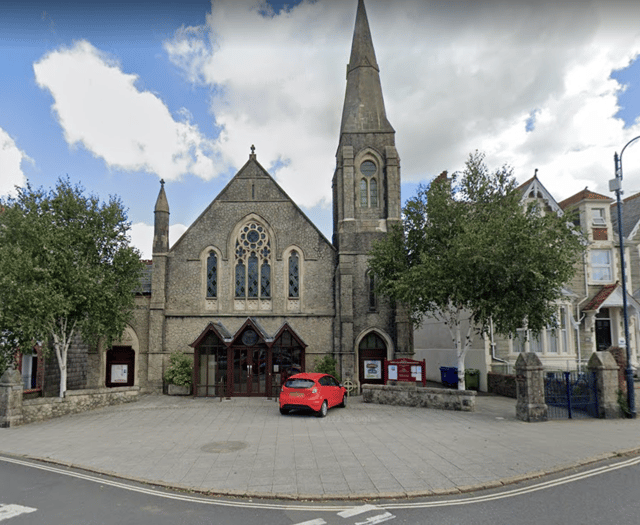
x=372, y=351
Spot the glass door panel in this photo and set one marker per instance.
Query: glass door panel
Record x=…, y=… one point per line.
x=241, y=371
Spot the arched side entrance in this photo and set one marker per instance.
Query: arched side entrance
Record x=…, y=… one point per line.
x=117, y=362
x=249, y=363
x=372, y=351
x=210, y=366
x=120, y=366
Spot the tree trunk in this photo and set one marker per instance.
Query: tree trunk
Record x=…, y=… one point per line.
x=461, y=355
x=61, y=343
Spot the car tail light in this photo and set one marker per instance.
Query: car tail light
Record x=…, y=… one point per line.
x=314, y=391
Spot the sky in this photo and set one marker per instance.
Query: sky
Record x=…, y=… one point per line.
x=116, y=95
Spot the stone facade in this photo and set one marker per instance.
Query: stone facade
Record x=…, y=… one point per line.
x=255, y=291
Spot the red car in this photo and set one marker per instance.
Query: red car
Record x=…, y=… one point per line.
x=318, y=392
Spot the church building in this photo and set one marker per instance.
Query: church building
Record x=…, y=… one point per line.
x=255, y=291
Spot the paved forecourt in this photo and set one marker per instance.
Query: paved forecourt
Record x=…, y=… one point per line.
x=244, y=446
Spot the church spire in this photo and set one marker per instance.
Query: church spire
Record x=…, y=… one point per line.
x=363, y=104
x=161, y=222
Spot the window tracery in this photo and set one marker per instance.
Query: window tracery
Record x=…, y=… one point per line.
x=253, y=262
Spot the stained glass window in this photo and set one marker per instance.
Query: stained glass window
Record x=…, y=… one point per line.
x=240, y=278
x=253, y=253
x=212, y=275
x=373, y=193
x=252, y=280
x=265, y=280
x=363, y=194
x=294, y=275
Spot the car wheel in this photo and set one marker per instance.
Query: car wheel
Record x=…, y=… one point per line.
x=344, y=401
x=284, y=411
x=323, y=410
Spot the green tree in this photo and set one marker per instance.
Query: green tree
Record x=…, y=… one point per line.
x=470, y=250
x=66, y=268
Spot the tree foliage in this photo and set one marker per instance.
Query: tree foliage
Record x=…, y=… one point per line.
x=66, y=268
x=468, y=246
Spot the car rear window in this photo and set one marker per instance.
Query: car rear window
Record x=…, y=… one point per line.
x=299, y=383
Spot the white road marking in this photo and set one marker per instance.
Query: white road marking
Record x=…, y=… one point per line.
x=11, y=511
x=328, y=508
x=357, y=510
x=318, y=521
x=373, y=520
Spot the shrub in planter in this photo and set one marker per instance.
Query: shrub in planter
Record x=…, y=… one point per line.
x=327, y=365
x=180, y=370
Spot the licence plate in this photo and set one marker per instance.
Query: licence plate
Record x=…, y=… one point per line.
x=296, y=394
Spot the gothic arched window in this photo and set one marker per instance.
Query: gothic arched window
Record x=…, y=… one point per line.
x=368, y=185
x=212, y=275
x=253, y=262
x=294, y=275
x=371, y=289
x=364, y=200
x=373, y=193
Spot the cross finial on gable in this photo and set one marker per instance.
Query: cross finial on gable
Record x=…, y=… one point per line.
x=253, y=149
x=162, y=182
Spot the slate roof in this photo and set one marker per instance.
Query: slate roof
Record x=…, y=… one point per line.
x=630, y=214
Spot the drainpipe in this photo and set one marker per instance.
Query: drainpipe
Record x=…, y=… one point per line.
x=576, y=325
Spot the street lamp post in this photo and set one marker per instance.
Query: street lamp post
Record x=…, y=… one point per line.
x=616, y=185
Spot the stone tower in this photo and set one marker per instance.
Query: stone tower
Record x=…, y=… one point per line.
x=160, y=254
x=366, y=203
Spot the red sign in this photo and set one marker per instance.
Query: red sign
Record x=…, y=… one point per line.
x=403, y=369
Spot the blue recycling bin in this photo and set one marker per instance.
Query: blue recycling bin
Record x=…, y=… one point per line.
x=449, y=376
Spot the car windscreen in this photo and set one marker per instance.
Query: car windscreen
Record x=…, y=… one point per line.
x=299, y=383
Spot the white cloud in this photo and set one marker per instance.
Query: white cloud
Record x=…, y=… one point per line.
x=456, y=76
x=142, y=237
x=99, y=106
x=11, y=157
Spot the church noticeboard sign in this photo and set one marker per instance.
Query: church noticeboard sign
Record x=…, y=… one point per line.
x=119, y=373
x=408, y=370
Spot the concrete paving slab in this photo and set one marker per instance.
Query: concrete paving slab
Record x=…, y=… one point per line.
x=244, y=446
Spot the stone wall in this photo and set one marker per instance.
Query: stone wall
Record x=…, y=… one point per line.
x=502, y=384
x=414, y=396
x=76, y=401
x=77, y=368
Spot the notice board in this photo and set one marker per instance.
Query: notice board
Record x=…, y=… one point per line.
x=403, y=369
